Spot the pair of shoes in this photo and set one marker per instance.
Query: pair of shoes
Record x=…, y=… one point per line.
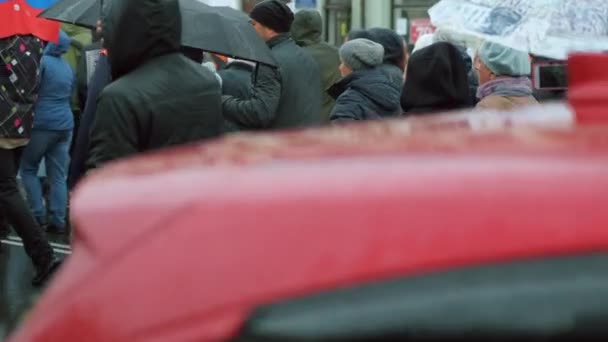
x=43, y=274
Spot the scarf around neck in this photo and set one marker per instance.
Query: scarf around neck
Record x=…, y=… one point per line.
x=506, y=86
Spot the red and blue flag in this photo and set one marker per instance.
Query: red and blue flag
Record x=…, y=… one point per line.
x=20, y=17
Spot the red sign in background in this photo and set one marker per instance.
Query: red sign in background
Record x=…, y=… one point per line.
x=420, y=27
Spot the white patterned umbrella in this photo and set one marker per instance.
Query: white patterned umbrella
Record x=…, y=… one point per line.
x=550, y=28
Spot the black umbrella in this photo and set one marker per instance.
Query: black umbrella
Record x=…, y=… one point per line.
x=221, y=30
x=78, y=12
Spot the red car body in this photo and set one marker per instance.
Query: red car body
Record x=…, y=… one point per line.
x=183, y=245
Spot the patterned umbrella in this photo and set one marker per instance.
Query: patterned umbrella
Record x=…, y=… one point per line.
x=550, y=28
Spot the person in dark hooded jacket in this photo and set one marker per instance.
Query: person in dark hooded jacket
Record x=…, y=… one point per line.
x=443, y=35
x=358, y=33
x=395, y=57
x=365, y=92
x=157, y=97
x=100, y=79
x=284, y=97
x=436, y=80
x=306, y=30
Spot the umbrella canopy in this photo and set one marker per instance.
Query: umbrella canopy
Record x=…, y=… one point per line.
x=221, y=30
x=550, y=28
x=78, y=12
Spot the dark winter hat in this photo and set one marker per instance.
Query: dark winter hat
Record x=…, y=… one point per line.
x=273, y=14
x=361, y=53
x=392, y=42
x=359, y=33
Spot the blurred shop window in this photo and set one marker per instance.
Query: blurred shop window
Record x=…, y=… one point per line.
x=409, y=15
x=337, y=21
x=400, y=19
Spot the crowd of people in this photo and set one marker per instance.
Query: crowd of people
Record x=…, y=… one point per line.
x=147, y=92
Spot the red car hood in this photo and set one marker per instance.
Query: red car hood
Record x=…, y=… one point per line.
x=182, y=245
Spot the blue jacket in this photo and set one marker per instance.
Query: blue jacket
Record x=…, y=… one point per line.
x=53, y=110
x=365, y=95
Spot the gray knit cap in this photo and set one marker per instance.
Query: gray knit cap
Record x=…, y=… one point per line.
x=361, y=53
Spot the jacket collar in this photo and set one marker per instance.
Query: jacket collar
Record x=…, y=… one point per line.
x=340, y=87
x=278, y=39
x=308, y=42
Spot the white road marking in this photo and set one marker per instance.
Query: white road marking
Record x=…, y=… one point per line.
x=54, y=244
x=57, y=250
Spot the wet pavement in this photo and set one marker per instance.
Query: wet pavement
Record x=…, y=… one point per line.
x=16, y=271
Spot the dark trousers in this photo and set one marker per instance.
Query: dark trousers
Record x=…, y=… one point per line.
x=15, y=211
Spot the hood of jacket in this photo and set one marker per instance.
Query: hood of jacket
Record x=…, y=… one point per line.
x=137, y=31
x=307, y=27
x=468, y=62
x=375, y=86
x=60, y=47
x=436, y=80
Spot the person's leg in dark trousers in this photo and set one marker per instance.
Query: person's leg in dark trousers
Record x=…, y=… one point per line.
x=18, y=215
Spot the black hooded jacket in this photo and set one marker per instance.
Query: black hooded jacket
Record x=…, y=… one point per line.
x=394, y=53
x=158, y=97
x=436, y=80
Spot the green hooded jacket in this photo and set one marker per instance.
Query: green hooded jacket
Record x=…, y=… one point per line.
x=306, y=30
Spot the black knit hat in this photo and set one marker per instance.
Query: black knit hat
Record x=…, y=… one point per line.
x=273, y=14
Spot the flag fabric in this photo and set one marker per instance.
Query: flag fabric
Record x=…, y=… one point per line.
x=19, y=17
